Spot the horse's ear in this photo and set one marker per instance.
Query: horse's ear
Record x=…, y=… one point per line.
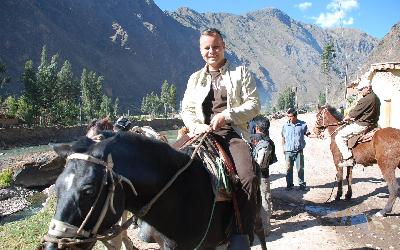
x=63, y=150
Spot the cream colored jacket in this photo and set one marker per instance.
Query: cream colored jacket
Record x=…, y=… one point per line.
x=242, y=98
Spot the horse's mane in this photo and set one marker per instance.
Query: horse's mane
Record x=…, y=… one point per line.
x=102, y=124
x=334, y=112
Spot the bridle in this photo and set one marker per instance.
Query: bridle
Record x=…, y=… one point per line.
x=67, y=235
x=321, y=125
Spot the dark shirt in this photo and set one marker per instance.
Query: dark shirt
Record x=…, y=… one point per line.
x=367, y=110
x=216, y=100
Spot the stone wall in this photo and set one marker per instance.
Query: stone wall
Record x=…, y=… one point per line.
x=17, y=137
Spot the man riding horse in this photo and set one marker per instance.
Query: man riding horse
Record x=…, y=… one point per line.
x=222, y=98
x=364, y=115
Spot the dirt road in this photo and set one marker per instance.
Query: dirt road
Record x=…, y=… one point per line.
x=306, y=221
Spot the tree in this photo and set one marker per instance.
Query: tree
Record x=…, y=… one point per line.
x=327, y=56
x=32, y=91
x=286, y=99
x=68, y=87
x=115, y=109
x=106, y=108
x=152, y=104
x=91, y=94
x=168, y=97
x=25, y=111
x=321, y=99
x=4, y=78
x=172, y=98
x=66, y=110
x=47, y=87
x=11, y=107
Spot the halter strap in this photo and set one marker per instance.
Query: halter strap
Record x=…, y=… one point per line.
x=88, y=158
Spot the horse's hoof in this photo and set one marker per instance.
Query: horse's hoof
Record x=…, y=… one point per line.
x=337, y=198
x=348, y=197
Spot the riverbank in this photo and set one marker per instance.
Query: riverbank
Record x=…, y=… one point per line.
x=22, y=137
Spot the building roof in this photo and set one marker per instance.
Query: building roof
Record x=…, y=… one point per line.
x=383, y=66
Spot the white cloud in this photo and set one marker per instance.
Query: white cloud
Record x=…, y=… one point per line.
x=349, y=21
x=338, y=13
x=303, y=6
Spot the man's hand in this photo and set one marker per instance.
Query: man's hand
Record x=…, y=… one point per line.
x=217, y=122
x=202, y=128
x=347, y=118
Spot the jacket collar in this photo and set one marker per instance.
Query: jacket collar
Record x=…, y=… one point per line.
x=222, y=70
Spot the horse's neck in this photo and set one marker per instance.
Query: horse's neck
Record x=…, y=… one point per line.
x=332, y=129
x=333, y=123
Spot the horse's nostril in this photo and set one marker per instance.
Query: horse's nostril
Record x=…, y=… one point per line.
x=48, y=246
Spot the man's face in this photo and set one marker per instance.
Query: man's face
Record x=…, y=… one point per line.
x=212, y=50
x=365, y=91
x=292, y=118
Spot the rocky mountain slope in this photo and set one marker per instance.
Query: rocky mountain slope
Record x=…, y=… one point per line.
x=133, y=44
x=388, y=50
x=136, y=46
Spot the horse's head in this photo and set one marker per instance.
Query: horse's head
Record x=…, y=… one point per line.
x=95, y=127
x=326, y=116
x=85, y=192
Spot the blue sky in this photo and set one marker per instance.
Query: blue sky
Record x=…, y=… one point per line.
x=374, y=17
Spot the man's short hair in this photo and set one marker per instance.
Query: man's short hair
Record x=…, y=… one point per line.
x=212, y=32
x=291, y=111
x=262, y=123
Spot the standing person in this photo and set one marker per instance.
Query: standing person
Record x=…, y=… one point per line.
x=293, y=132
x=221, y=98
x=365, y=114
x=264, y=155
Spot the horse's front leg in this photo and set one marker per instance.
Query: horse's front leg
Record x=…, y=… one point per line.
x=349, y=178
x=339, y=175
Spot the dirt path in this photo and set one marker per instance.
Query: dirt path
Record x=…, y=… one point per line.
x=305, y=221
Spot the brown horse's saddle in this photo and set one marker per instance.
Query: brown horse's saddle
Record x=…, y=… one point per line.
x=365, y=136
x=209, y=154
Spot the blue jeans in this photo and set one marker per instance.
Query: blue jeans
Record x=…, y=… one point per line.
x=291, y=158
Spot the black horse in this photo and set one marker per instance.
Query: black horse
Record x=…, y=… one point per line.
x=129, y=172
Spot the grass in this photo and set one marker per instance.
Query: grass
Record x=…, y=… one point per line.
x=28, y=233
x=6, y=178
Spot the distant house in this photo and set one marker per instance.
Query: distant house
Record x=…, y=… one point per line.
x=385, y=81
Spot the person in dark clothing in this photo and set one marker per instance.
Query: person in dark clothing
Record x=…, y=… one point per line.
x=264, y=154
x=365, y=114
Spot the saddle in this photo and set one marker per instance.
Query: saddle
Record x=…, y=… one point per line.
x=222, y=181
x=365, y=136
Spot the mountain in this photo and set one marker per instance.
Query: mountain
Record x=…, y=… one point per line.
x=388, y=50
x=133, y=44
x=284, y=52
x=136, y=46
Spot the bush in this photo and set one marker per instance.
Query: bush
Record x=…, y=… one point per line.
x=6, y=178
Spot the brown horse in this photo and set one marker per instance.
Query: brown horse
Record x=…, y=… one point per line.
x=96, y=126
x=383, y=149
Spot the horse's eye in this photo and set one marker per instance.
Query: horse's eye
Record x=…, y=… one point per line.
x=88, y=190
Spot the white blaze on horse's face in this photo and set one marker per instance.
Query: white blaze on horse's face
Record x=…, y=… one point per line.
x=68, y=181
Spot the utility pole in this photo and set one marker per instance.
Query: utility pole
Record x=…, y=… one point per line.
x=346, y=58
